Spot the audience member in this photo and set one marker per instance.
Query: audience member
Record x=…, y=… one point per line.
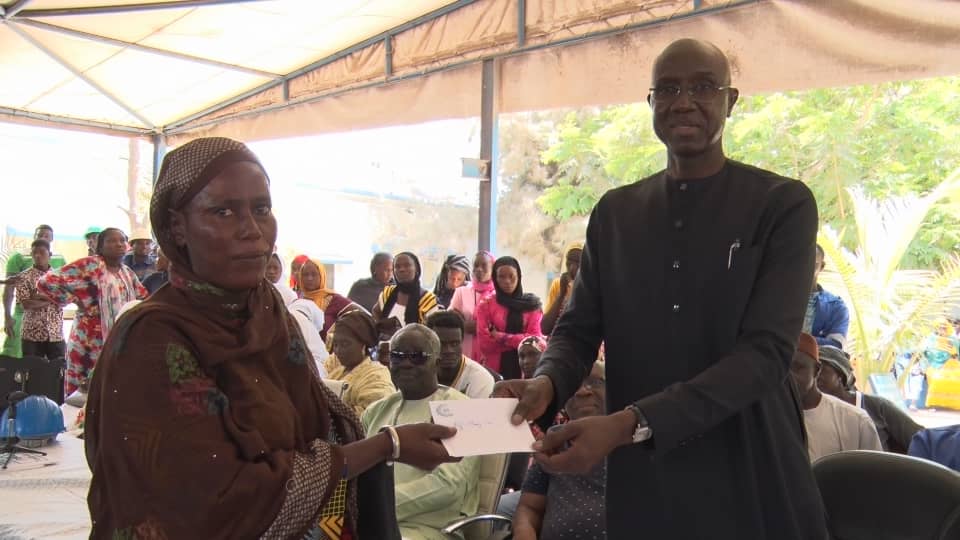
x=313, y=286
x=503, y=320
x=466, y=299
x=274, y=271
x=826, y=318
x=454, y=368
x=367, y=381
x=206, y=417
x=365, y=292
x=310, y=321
x=832, y=425
x=894, y=426
x=406, y=302
x=42, y=319
x=13, y=314
x=159, y=278
x=454, y=273
x=426, y=501
x=92, y=236
x=141, y=259
x=940, y=445
x=295, y=266
x=99, y=286
x=529, y=352
x=559, y=293
x=567, y=506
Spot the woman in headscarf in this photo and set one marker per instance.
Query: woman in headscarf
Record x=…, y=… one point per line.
x=503, y=320
x=100, y=286
x=467, y=298
x=454, y=273
x=313, y=286
x=206, y=418
x=559, y=293
x=274, y=275
x=367, y=381
x=310, y=319
x=529, y=351
x=295, y=266
x=406, y=302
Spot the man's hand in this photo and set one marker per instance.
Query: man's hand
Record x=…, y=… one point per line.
x=9, y=324
x=578, y=446
x=535, y=396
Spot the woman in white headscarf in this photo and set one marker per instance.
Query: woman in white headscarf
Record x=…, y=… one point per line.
x=310, y=319
x=274, y=274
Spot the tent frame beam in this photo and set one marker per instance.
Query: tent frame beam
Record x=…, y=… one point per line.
x=180, y=126
x=449, y=8
x=115, y=129
x=80, y=75
x=145, y=48
x=14, y=9
x=127, y=8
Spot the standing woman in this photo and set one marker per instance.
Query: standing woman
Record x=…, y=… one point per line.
x=295, y=266
x=455, y=272
x=559, y=293
x=467, y=298
x=206, y=417
x=99, y=285
x=504, y=319
x=407, y=301
x=313, y=286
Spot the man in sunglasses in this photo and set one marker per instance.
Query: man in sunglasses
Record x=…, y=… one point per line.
x=426, y=501
x=696, y=279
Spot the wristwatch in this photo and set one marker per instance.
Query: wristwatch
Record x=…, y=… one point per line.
x=642, y=432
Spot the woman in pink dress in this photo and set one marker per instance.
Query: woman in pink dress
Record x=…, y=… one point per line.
x=468, y=297
x=503, y=320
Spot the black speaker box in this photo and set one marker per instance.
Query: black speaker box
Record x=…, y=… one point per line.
x=35, y=376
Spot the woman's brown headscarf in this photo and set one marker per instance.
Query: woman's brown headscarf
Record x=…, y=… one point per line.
x=204, y=420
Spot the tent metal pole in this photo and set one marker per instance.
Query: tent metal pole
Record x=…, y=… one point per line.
x=521, y=23
x=486, y=229
x=80, y=75
x=128, y=8
x=159, y=150
x=145, y=48
x=16, y=8
x=79, y=122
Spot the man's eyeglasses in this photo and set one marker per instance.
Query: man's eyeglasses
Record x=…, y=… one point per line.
x=702, y=92
x=594, y=383
x=416, y=358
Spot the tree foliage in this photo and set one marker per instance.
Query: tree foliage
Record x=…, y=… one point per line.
x=891, y=139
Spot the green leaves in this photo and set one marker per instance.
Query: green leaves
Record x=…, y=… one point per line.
x=891, y=139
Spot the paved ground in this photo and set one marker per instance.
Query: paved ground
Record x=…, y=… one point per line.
x=935, y=418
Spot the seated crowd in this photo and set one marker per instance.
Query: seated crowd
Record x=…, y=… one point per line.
x=476, y=327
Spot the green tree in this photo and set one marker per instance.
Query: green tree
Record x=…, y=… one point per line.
x=890, y=139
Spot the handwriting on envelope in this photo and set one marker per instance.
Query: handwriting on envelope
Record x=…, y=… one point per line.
x=483, y=427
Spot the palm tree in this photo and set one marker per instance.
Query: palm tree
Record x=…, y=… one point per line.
x=891, y=309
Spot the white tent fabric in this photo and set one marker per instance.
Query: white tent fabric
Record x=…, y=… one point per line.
x=265, y=69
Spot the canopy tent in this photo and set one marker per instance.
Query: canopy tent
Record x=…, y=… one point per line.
x=174, y=70
x=264, y=69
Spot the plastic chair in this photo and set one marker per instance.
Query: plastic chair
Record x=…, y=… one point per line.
x=493, y=471
x=881, y=496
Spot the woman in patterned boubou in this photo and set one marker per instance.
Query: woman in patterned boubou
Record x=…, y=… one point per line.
x=100, y=286
x=206, y=417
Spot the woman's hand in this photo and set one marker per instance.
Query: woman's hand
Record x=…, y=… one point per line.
x=420, y=445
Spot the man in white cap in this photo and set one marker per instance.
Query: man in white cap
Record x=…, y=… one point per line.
x=141, y=259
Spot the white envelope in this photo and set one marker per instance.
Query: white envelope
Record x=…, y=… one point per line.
x=483, y=427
